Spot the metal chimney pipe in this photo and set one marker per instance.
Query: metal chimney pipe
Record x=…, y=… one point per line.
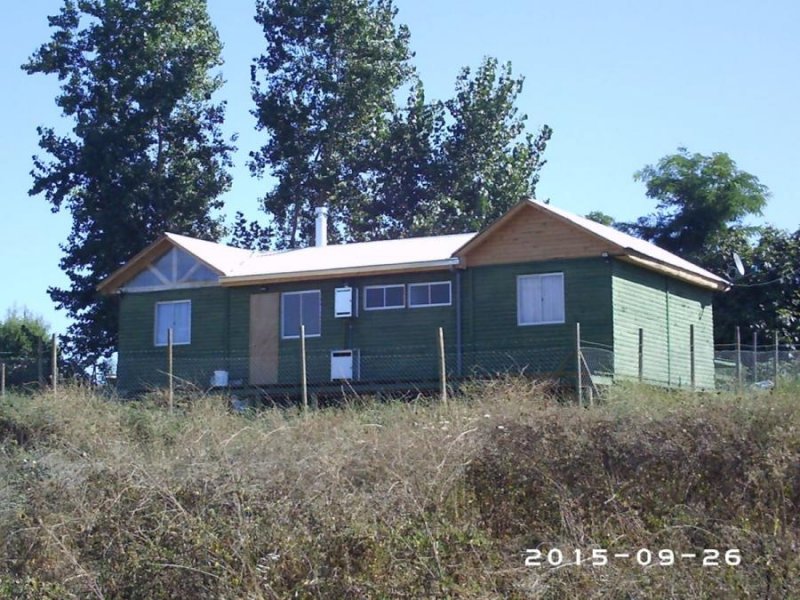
x=321, y=226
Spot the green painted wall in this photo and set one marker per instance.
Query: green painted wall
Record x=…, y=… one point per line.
x=609, y=298
x=494, y=342
x=143, y=365
x=664, y=308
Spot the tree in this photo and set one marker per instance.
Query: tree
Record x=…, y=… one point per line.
x=323, y=89
x=456, y=166
x=767, y=298
x=145, y=154
x=598, y=216
x=699, y=199
x=24, y=339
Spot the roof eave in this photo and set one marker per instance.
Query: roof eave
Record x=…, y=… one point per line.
x=713, y=283
x=253, y=279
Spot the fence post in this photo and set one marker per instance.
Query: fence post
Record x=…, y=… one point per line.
x=303, y=372
x=3, y=380
x=54, y=369
x=755, y=356
x=691, y=356
x=442, y=367
x=578, y=365
x=777, y=358
x=170, y=379
x=40, y=363
x=641, y=354
x=738, y=358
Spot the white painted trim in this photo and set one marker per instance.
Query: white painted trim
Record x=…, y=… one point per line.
x=563, y=295
x=449, y=285
x=385, y=287
x=308, y=335
x=174, y=286
x=155, y=323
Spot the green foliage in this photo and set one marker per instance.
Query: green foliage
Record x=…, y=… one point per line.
x=145, y=154
x=322, y=90
x=23, y=336
x=700, y=198
x=767, y=298
x=599, y=216
x=456, y=166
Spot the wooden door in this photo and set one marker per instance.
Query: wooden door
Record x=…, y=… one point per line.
x=264, y=338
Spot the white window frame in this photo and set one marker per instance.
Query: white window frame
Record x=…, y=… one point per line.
x=520, y=323
x=430, y=283
x=385, y=287
x=155, y=324
x=308, y=335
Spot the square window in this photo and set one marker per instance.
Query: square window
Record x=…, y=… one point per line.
x=540, y=299
x=176, y=316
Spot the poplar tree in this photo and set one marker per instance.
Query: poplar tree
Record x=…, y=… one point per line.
x=144, y=152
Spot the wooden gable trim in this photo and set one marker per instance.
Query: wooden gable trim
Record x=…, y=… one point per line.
x=140, y=261
x=529, y=233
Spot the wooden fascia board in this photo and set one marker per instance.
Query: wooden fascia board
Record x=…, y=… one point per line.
x=675, y=272
x=435, y=265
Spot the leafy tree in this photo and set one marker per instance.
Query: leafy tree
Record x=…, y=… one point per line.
x=145, y=154
x=23, y=337
x=455, y=166
x=486, y=161
x=767, y=297
x=599, y=216
x=323, y=89
x=699, y=199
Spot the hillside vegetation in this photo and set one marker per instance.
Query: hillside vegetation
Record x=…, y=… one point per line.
x=400, y=499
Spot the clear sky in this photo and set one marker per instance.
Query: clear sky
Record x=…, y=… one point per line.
x=622, y=83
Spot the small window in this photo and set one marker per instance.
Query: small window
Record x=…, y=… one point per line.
x=176, y=316
x=301, y=308
x=383, y=297
x=429, y=294
x=540, y=299
x=176, y=268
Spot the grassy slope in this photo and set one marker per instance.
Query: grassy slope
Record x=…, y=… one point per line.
x=409, y=500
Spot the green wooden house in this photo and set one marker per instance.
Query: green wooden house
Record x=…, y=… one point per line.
x=508, y=300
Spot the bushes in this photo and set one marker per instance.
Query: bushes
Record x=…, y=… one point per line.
x=396, y=500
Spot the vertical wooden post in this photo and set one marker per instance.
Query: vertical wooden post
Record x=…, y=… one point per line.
x=442, y=368
x=2, y=380
x=578, y=365
x=755, y=356
x=303, y=372
x=691, y=357
x=738, y=358
x=777, y=359
x=170, y=380
x=40, y=362
x=641, y=354
x=54, y=369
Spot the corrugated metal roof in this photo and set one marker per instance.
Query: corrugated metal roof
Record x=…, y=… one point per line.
x=355, y=256
x=626, y=241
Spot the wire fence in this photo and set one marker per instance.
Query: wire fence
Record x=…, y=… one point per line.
x=433, y=366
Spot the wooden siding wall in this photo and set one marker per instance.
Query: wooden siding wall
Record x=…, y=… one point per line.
x=535, y=236
x=491, y=333
x=664, y=308
x=142, y=364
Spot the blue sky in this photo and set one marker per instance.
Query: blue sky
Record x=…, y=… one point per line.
x=622, y=83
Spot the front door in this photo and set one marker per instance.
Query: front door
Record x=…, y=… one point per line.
x=264, y=338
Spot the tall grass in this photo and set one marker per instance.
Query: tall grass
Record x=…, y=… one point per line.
x=398, y=499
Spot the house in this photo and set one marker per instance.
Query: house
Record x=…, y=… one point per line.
x=507, y=298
